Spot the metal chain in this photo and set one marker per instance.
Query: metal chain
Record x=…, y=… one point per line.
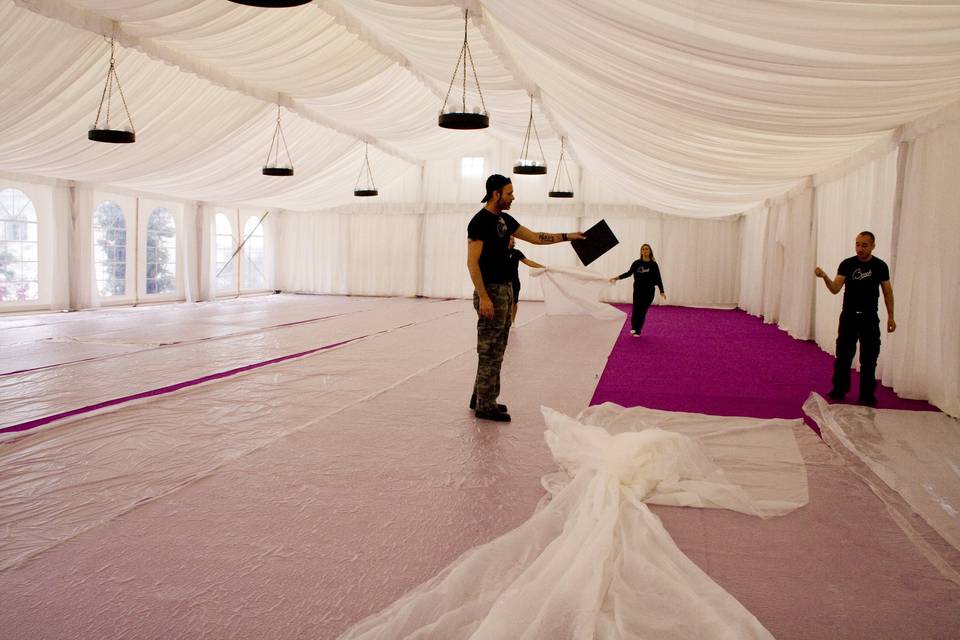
x=476, y=78
x=561, y=164
x=107, y=95
x=106, y=83
x=283, y=139
x=365, y=167
x=123, y=100
x=465, y=54
x=466, y=49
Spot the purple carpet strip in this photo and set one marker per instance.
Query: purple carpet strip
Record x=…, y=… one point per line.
x=721, y=362
x=39, y=422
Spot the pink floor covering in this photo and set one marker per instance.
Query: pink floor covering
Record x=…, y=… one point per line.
x=291, y=500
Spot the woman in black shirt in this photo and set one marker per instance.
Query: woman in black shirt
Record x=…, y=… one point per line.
x=646, y=276
x=515, y=257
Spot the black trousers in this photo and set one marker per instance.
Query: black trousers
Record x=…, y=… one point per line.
x=642, y=299
x=865, y=327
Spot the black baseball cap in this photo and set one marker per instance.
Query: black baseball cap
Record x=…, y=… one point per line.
x=495, y=183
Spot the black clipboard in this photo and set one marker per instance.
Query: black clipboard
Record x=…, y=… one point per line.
x=599, y=240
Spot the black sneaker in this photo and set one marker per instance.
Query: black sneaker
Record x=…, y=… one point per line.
x=496, y=416
x=473, y=404
x=836, y=394
x=868, y=401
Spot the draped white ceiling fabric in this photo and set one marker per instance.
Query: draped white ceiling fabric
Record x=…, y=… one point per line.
x=683, y=107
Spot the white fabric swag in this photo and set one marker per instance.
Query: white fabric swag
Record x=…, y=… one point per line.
x=594, y=561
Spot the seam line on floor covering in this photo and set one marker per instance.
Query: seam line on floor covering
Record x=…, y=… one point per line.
x=161, y=345
x=22, y=560
x=177, y=386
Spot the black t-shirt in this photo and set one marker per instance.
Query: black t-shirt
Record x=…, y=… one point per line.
x=495, y=231
x=514, y=256
x=645, y=275
x=861, y=286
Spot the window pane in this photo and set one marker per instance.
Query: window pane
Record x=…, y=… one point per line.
x=224, y=244
x=253, y=269
x=19, y=267
x=471, y=167
x=28, y=271
x=110, y=241
x=161, y=252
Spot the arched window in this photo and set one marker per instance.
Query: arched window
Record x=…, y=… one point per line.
x=161, y=252
x=110, y=249
x=19, y=248
x=225, y=248
x=253, y=275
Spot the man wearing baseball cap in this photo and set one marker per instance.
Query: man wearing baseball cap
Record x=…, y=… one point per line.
x=488, y=236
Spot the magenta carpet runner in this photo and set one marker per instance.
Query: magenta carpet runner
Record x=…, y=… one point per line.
x=721, y=362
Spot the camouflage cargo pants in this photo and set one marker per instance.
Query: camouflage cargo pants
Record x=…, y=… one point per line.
x=491, y=343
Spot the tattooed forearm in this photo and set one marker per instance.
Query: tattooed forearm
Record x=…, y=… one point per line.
x=551, y=238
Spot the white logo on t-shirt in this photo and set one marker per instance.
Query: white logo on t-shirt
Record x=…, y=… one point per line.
x=643, y=269
x=501, y=227
x=860, y=275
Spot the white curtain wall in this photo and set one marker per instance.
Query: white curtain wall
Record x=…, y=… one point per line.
x=777, y=262
x=406, y=250
x=924, y=359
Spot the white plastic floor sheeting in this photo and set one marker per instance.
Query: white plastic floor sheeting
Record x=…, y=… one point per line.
x=595, y=561
x=197, y=348
x=34, y=342
x=915, y=455
x=288, y=500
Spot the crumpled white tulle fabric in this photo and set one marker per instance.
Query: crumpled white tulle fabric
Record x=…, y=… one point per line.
x=594, y=562
x=575, y=292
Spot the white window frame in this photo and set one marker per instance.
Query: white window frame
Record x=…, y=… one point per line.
x=247, y=216
x=128, y=205
x=233, y=217
x=43, y=222
x=146, y=208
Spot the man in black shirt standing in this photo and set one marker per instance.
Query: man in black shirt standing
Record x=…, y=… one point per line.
x=864, y=275
x=488, y=235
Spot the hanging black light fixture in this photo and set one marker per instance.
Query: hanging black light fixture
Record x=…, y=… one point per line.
x=368, y=189
x=561, y=166
x=104, y=133
x=527, y=166
x=478, y=118
x=273, y=166
x=277, y=4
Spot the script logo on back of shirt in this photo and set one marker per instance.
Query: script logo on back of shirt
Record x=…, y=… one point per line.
x=643, y=269
x=860, y=274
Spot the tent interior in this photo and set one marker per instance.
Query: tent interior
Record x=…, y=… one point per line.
x=747, y=141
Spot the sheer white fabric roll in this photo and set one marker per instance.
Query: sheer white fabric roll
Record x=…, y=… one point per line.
x=594, y=562
x=575, y=292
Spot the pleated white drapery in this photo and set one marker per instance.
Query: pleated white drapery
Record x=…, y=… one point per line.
x=410, y=250
x=924, y=359
x=681, y=107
